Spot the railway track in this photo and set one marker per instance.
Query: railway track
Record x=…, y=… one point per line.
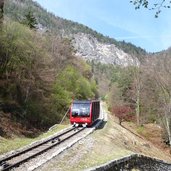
x=14, y=160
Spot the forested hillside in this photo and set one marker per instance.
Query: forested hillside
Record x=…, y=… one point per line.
x=139, y=93
x=18, y=9
x=39, y=77
x=40, y=73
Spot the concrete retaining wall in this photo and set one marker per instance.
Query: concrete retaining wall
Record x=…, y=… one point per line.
x=135, y=161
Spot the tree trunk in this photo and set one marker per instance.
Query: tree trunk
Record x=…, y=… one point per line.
x=168, y=129
x=138, y=105
x=168, y=120
x=1, y=10
x=138, y=93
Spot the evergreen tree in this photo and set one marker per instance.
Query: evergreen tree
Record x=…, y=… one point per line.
x=30, y=20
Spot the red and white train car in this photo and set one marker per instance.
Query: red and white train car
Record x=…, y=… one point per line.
x=84, y=112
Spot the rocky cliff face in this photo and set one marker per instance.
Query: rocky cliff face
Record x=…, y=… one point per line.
x=89, y=48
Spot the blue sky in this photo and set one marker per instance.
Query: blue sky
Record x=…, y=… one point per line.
x=117, y=19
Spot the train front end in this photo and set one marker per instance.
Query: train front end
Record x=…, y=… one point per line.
x=80, y=113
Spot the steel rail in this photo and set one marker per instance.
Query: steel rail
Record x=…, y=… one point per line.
x=37, y=145
x=40, y=152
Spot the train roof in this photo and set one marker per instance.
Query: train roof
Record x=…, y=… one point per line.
x=84, y=101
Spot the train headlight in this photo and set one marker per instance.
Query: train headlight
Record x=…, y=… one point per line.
x=85, y=125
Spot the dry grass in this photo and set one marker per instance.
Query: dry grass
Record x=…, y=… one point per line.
x=152, y=133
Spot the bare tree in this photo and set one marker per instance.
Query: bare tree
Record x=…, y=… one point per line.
x=115, y=97
x=161, y=72
x=61, y=51
x=137, y=87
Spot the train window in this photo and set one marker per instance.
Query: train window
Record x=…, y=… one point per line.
x=81, y=109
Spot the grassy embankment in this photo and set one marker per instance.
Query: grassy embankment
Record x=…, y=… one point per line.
x=107, y=143
x=98, y=148
x=7, y=145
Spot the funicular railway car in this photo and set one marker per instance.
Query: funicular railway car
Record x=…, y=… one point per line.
x=85, y=112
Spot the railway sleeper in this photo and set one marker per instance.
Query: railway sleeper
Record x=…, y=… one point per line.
x=4, y=165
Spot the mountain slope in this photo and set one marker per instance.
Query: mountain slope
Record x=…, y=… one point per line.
x=17, y=9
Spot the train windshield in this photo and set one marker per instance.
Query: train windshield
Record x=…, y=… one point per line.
x=81, y=109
